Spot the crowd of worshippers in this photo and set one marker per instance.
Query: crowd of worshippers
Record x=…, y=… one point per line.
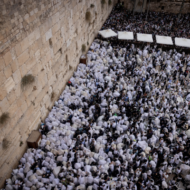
x=156, y=23
x=122, y=123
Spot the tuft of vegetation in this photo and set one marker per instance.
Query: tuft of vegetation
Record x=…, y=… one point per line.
x=88, y=16
x=4, y=118
x=33, y=103
x=60, y=50
x=87, y=43
x=83, y=48
x=103, y=2
x=109, y=2
x=21, y=143
x=5, y=143
x=53, y=95
x=27, y=80
x=92, y=6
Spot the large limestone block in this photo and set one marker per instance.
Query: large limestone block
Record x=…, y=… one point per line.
x=17, y=76
x=2, y=63
x=36, y=69
x=45, y=26
x=30, y=63
x=2, y=77
x=8, y=71
x=24, y=44
x=4, y=104
x=23, y=57
x=48, y=34
x=57, y=46
x=55, y=28
x=9, y=84
x=33, y=123
x=37, y=33
x=18, y=49
x=55, y=18
x=11, y=96
x=42, y=78
x=14, y=65
x=23, y=70
x=22, y=104
x=7, y=58
x=31, y=38
x=41, y=95
x=3, y=92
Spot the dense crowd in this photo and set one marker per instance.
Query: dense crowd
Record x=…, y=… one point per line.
x=122, y=122
x=156, y=23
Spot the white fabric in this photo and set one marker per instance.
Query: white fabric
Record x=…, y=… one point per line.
x=125, y=36
x=164, y=40
x=188, y=133
x=188, y=97
x=107, y=33
x=182, y=42
x=184, y=169
x=143, y=144
x=56, y=170
x=144, y=37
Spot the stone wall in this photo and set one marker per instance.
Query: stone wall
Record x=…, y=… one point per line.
x=172, y=6
x=42, y=38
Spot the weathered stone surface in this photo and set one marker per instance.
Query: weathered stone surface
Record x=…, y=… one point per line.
x=7, y=58
x=2, y=63
x=8, y=71
x=14, y=65
x=3, y=92
x=17, y=76
x=18, y=49
x=9, y=84
x=23, y=57
x=24, y=44
x=2, y=77
x=36, y=40
x=48, y=34
x=4, y=105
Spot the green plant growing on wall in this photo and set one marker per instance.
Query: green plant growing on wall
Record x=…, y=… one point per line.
x=88, y=16
x=4, y=118
x=92, y=5
x=83, y=48
x=5, y=143
x=27, y=80
x=21, y=143
x=109, y=2
x=53, y=95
